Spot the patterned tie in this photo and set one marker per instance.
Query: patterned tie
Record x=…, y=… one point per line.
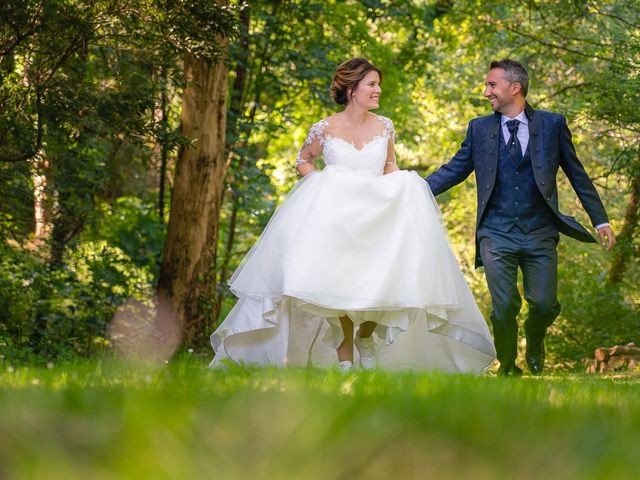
x=514, y=144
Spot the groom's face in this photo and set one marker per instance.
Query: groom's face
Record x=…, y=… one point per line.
x=498, y=90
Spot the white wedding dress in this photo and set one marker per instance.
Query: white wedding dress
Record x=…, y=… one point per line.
x=349, y=240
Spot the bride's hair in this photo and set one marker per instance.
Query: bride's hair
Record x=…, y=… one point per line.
x=348, y=75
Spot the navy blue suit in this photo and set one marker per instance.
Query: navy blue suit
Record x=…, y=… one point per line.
x=518, y=220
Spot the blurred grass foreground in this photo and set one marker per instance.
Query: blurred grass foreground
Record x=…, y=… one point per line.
x=108, y=420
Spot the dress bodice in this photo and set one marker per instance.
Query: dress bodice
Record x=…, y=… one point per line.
x=368, y=159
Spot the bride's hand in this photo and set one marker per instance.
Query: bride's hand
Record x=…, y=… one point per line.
x=390, y=168
x=306, y=168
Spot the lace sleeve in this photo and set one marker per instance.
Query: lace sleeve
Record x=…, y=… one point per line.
x=312, y=147
x=390, y=133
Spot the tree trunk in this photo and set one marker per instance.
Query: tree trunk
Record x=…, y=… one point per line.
x=160, y=116
x=624, y=246
x=186, y=275
x=236, y=108
x=227, y=253
x=63, y=228
x=41, y=216
x=164, y=156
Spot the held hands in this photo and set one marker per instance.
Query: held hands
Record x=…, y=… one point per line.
x=607, y=237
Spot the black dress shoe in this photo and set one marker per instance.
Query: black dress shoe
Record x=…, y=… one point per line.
x=510, y=370
x=535, y=358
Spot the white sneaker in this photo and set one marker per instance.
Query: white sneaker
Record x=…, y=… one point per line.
x=368, y=352
x=345, y=366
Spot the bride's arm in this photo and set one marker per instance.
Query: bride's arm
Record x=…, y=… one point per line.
x=306, y=167
x=390, y=164
x=310, y=151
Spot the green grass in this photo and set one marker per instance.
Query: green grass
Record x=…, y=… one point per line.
x=108, y=420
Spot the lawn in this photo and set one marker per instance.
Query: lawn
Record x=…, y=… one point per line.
x=108, y=420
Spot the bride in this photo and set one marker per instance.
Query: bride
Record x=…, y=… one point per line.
x=358, y=245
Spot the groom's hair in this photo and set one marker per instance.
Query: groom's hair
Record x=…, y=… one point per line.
x=513, y=72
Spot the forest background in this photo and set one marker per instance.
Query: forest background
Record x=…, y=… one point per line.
x=144, y=146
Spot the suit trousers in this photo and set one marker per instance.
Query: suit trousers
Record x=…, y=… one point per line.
x=536, y=256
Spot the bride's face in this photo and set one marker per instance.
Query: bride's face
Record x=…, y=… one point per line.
x=367, y=93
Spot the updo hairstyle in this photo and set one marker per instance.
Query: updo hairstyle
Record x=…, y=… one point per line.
x=347, y=76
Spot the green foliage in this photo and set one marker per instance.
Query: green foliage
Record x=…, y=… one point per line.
x=16, y=209
x=134, y=227
x=114, y=261
x=88, y=93
x=18, y=270
x=91, y=93
x=192, y=26
x=75, y=420
x=97, y=278
x=593, y=313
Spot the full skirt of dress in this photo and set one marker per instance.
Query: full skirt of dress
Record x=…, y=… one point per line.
x=373, y=248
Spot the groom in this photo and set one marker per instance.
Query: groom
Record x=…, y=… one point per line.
x=515, y=154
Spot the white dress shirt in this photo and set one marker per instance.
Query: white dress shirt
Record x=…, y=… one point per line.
x=523, y=130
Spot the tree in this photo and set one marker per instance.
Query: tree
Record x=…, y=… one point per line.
x=185, y=273
x=76, y=90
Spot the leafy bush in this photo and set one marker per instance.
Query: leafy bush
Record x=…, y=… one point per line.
x=593, y=313
x=18, y=271
x=134, y=226
x=78, y=300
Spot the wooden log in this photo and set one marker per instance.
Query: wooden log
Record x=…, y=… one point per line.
x=603, y=354
x=614, y=358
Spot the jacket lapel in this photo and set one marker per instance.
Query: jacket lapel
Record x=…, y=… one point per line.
x=534, y=135
x=494, y=142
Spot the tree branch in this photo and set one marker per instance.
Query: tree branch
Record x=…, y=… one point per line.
x=32, y=152
x=594, y=5
x=556, y=46
x=569, y=87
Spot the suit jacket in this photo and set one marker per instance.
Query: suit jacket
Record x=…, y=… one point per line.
x=550, y=147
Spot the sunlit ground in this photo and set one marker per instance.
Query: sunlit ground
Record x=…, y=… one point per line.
x=108, y=420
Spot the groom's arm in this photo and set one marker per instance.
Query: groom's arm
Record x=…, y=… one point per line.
x=456, y=170
x=580, y=181
x=583, y=186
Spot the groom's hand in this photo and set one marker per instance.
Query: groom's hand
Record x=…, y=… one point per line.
x=607, y=237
